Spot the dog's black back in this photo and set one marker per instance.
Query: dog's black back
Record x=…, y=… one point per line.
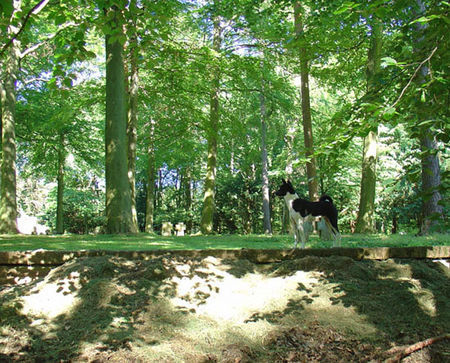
x=324, y=207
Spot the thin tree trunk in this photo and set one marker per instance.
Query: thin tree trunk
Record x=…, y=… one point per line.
x=151, y=179
x=265, y=174
x=432, y=210
x=311, y=172
x=8, y=197
x=187, y=179
x=132, y=125
x=289, y=140
x=60, y=192
x=207, y=219
x=365, y=222
x=118, y=192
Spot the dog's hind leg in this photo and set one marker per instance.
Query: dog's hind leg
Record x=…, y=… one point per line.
x=334, y=232
x=338, y=239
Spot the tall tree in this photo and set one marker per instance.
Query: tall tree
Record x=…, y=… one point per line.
x=133, y=111
x=365, y=222
x=311, y=173
x=60, y=181
x=119, y=218
x=431, y=178
x=151, y=178
x=264, y=160
x=8, y=198
x=212, y=129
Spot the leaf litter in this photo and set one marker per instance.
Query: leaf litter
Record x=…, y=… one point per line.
x=176, y=309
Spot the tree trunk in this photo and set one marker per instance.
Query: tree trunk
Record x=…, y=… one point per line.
x=118, y=193
x=432, y=211
x=289, y=141
x=187, y=179
x=60, y=193
x=265, y=174
x=8, y=198
x=311, y=172
x=151, y=179
x=132, y=125
x=365, y=222
x=207, y=219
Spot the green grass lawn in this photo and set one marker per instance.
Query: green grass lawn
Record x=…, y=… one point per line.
x=143, y=241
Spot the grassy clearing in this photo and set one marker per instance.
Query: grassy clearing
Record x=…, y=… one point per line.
x=143, y=241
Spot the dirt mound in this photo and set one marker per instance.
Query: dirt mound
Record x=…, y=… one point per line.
x=207, y=309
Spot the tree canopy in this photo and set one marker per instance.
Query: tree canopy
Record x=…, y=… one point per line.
x=119, y=116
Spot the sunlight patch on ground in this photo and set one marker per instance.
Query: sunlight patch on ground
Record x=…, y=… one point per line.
x=52, y=299
x=238, y=299
x=215, y=293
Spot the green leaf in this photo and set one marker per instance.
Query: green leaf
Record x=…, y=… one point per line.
x=388, y=61
x=60, y=19
x=67, y=82
x=426, y=19
x=389, y=113
x=345, y=7
x=6, y=9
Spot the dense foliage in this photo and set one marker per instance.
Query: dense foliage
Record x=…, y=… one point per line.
x=250, y=49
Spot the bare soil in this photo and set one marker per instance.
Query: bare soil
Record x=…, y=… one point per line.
x=176, y=309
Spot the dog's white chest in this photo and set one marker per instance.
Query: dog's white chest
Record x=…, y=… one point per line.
x=289, y=199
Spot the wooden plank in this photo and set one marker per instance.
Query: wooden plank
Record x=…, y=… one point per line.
x=55, y=258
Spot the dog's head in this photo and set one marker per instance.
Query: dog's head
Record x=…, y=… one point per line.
x=285, y=188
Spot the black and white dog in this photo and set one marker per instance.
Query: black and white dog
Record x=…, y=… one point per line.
x=302, y=210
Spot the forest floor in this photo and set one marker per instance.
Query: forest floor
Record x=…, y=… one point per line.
x=174, y=309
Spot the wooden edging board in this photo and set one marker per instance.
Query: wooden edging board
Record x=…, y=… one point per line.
x=55, y=258
x=18, y=267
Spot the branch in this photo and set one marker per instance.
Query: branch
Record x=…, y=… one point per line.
x=34, y=10
x=50, y=37
x=402, y=352
x=412, y=78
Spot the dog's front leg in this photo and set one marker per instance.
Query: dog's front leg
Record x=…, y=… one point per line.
x=302, y=234
x=294, y=231
x=303, y=230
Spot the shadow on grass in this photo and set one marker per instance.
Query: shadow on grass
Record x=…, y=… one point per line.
x=406, y=301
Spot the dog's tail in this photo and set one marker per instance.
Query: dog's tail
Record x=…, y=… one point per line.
x=326, y=198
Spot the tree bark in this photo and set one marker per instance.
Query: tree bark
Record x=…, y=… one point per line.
x=265, y=174
x=432, y=211
x=365, y=222
x=402, y=352
x=60, y=192
x=311, y=169
x=8, y=196
x=187, y=179
x=151, y=179
x=118, y=192
x=132, y=124
x=207, y=219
